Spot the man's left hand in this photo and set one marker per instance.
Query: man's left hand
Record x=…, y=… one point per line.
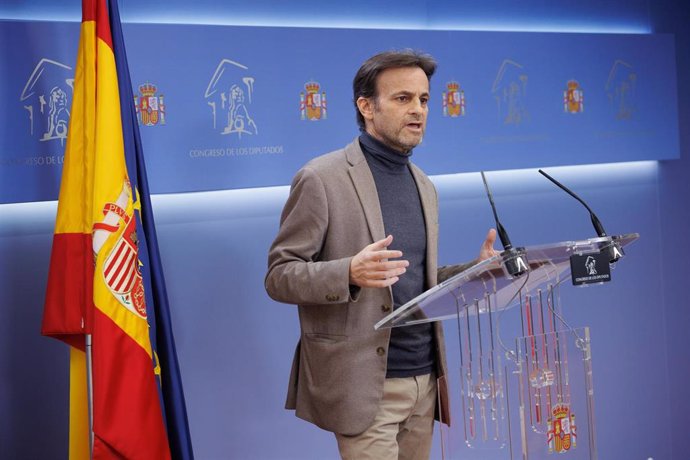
x=486, y=251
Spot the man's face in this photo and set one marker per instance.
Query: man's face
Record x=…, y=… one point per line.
x=398, y=115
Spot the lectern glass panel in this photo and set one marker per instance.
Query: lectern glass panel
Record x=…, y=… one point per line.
x=549, y=264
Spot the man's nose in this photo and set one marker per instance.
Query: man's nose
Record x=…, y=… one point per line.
x=416, y=106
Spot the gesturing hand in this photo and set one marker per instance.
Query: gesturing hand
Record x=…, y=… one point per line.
x=486, y=251
x=371, y=266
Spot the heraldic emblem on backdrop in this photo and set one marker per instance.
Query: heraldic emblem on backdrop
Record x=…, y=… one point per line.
x=453, y=100
x=150, y=107
x=312, y=104
x=573, y=98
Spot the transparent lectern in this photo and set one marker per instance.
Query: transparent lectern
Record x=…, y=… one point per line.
x=530, y=397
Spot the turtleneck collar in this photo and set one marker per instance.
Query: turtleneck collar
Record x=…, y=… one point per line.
x=382, y=154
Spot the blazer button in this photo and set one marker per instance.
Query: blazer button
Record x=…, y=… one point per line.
x=386, y=308
x=380, y=351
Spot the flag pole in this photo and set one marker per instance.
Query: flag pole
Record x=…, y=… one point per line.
x=89, y=391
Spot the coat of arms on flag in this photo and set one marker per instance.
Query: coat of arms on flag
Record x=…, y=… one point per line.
x=121, y=268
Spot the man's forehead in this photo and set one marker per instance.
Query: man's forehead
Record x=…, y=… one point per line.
x=407, y=79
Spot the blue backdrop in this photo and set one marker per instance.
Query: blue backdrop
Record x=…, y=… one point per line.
x=235, y=107
x=235, y=344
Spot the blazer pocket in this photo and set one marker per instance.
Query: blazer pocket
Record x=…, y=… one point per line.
x=324, y=338
x=325, y=360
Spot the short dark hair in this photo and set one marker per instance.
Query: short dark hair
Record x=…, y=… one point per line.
x=364, y=84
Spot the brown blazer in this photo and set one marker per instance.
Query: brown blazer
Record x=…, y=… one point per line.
x=339, y=366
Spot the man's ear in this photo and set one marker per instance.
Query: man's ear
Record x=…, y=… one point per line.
x=366, y=107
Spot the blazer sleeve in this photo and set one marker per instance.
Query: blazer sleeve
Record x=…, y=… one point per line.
x=448, y=271
x=296, y=274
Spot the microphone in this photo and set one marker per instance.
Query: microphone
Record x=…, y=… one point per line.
x=514, y=259
x=615, y=251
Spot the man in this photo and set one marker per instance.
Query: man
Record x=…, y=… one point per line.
x=358, y=237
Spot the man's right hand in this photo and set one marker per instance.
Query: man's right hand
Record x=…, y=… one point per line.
x=372, y=267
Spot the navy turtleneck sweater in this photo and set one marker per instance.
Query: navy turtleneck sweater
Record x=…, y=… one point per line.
x=411, y=349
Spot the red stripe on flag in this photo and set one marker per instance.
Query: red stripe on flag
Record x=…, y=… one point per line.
x=129, y=278
x=88, y=10
x=106, y=227
x=103, y=24
x=124, y=271
x=128, y=422
x=69, y=296
x=114, y=260
x=116, y=275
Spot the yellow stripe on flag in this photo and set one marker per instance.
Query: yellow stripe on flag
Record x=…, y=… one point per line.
x=78, y=407
x=109, y=167
x=75, y=202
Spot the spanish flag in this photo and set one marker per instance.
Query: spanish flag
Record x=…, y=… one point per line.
x=95, y=284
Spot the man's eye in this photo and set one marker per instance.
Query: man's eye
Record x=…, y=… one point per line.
x=403, y=98
x=424, y=100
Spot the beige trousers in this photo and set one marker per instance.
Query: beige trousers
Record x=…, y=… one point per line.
x=404, y=424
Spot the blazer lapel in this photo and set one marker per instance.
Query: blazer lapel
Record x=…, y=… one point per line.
x=427, y=196
x=363, y=182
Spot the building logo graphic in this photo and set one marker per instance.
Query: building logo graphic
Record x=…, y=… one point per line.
x=312, y=104
x=453, y=100
x=47, y=97
x=573, y=98
x=620, y=89
x=229, y=95
x=150, y=107
x=562, y=434
x=591, y=265
x=510, y=92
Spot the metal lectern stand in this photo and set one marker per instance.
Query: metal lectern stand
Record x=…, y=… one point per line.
x=530, y=398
